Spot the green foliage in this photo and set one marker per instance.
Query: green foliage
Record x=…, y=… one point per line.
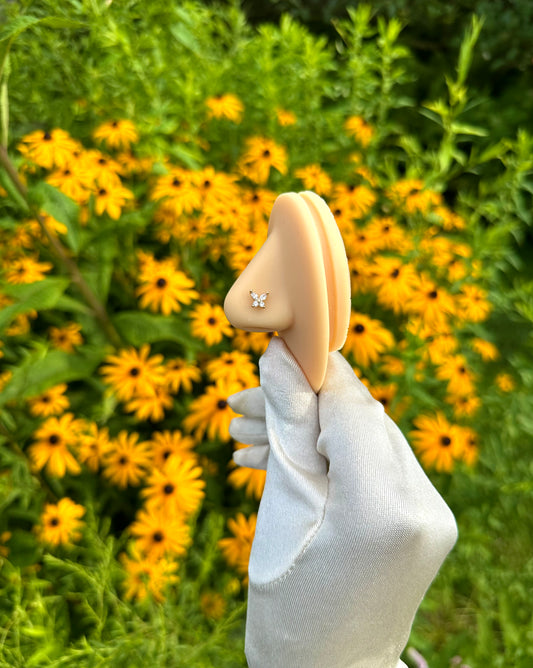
x=157, y=63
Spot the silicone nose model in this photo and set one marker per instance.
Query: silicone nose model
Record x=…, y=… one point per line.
x=298, y=284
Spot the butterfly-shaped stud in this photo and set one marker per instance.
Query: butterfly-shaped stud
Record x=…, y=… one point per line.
x=258, y=300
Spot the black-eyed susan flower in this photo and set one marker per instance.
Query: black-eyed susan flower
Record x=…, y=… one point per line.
x=164, y=288
x=227, y=106
x=177, y=487
x=217, y=189
x=50, y=402
x=213, y=605
x=71, y=183
x=26, y=270
x=66, y=338
x=470, y=452
x=394, y=282
x=262, y=155
x=118, y=134
x=505, y=382
x=485, y=349
x=146, y=576
x=61, y=523
x=181, y=374
x=133, y=373
x=438, y=443
x=111, y=199
x=166, y=443
x=242, y=247
x=431, y=302
x=456, y=372
x=361, y=274
x=315, y=178
x=233, y=367
x=178, y=190
x=53, y=444
x=210, y=413
x=94, y=445
x=54, y=148
x=367, y=339
x=359, y=129
x=158, y=534
x=357, y=200
x=151, y=406
x=209, y=323
x=127, y=460
x=257, y=342
x=388, y=234
x=472, y=304
x=236, y=549
x=251, y=480
x=285, y=117
x=464, y=405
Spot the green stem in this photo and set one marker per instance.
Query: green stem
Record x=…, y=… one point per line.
x=60, y=251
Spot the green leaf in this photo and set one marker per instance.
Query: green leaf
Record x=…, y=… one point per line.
x=464, y=129
x=23, y=548
x=137, y=328
x=40, y=295
x=63, y=209
x=38, y=373
x=18, y=25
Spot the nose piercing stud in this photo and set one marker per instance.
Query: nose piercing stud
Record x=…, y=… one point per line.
x=258, y=300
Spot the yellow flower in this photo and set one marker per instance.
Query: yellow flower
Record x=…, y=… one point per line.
x=181, y=374
x=438, y=442
x=210, y=413
x=394, y=282
x=120, y=134
x=132, y=373
x=48, y=149
x=111, y=198
x=242, y=247
x=127, y=460
x=236, y=550
x=159, y=533
x=178, y=191
x=226, y=106
x=71, y=182
x=94, y=446
x=66, y=338
x=285, y=117
x=315, y=178
x=27, y=270
x=359, y=129
x=431, y=302
x=367, y=339
x=163, y=288
x=257, y=342
x=486, y=349
x=505, y=382
x=388, y=234
x=51, y=402
x=61, y=523
x=470, y=452
x=411, y=195
x=147, y=576
x=472, y=304
x=165, y=444
x=460, y=378
x=176, y=488
x=54, y=440
x=253, y=480
x=356, y=200
x=464, y=406
x=210, y=324
x=260, y=157
x=233, y=367
x=212, y=605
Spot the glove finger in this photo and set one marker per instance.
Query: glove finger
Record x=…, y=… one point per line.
x=249, y=402
x=254, y=457
x=251, y=431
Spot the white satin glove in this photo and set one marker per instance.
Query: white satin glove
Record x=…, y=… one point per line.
x=350, y=531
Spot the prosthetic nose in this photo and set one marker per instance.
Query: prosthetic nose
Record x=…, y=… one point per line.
x=298, y=284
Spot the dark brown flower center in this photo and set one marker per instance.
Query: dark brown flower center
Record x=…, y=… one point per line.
x=47, y=136
x=102, y=192
x=395, y=273
x=433, y=294
x=211, y=321
x=445, y=441
x=53, y=439
x=207, y=183
x=166, y=454
x=176, y=182
x=158, y=536
x=114, y=124
x=123, y=460
x=168, y=488
x=358, y=329
x=102, y=161
x=221, y=404
x=54, y=522
x=134, y=371
x=161, y=282
x=266, y=153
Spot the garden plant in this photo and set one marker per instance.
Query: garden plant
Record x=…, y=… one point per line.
x=142, y=148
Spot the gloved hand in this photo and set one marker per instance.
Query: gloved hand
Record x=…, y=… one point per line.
x=350, y=531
